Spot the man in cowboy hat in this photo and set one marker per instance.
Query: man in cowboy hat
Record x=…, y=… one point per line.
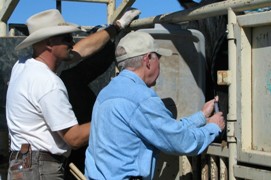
x=130, y=126
x=42, y=125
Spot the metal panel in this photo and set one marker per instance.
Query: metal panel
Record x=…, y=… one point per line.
x=254, y=89
x=251, y=173
x=261, y=88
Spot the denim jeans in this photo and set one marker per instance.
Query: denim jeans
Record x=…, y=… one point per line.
x=39, y=170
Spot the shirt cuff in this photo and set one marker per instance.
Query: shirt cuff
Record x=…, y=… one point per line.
x=213, y=128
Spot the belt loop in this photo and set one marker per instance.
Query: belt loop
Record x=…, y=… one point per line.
x=17, y=154
x=36, y=155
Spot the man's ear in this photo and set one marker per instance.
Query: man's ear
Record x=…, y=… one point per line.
x=49, y=44
x=146, y=59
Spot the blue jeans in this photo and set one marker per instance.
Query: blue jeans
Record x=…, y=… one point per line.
x=41, y=169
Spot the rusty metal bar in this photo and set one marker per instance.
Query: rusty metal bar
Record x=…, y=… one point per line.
x=213, y=168
x=204, y=167
x=223, y=170
x=6, y=9
x=121, y=9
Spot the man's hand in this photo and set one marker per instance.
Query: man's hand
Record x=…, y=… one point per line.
x=218, y=119
x=208, y=107
x=127, y=18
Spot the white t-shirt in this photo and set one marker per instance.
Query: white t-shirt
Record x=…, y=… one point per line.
x=37, y=106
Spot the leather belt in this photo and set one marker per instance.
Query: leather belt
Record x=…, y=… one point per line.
x=42, y=156
x=135, y=178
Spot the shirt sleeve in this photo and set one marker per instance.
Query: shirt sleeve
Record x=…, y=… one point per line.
x=155, y=125
x=57, y=110
x=195, y=120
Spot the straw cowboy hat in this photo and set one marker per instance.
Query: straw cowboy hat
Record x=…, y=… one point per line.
x=44, y=25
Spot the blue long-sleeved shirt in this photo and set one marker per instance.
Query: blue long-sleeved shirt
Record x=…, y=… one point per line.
x=130, y=124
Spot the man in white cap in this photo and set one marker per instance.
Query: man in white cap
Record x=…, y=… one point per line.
x=42, y=125
x=130, y=123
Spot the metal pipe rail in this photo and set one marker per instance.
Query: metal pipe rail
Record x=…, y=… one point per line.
x=201, y=12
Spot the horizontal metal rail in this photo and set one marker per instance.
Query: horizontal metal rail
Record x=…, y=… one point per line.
x=201, y=12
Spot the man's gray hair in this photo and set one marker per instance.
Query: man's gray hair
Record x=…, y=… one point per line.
x=134, y=62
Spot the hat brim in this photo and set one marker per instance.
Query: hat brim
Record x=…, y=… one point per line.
x=164, y=52
x=44, y=34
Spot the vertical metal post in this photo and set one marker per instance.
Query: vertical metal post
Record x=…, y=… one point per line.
x=111, y=6
x=223, y=175
x=3, y=29
x=204, y=167
x=3, y=25
x=184, y=167
x=231, y=118
x=12, y=32
x=59, y=5
x=213, y=168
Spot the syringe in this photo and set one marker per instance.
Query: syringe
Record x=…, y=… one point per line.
x=216, y=106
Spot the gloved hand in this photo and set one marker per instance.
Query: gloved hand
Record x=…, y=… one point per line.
x=127, y=18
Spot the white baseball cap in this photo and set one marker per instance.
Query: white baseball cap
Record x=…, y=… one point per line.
x=137, y=43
